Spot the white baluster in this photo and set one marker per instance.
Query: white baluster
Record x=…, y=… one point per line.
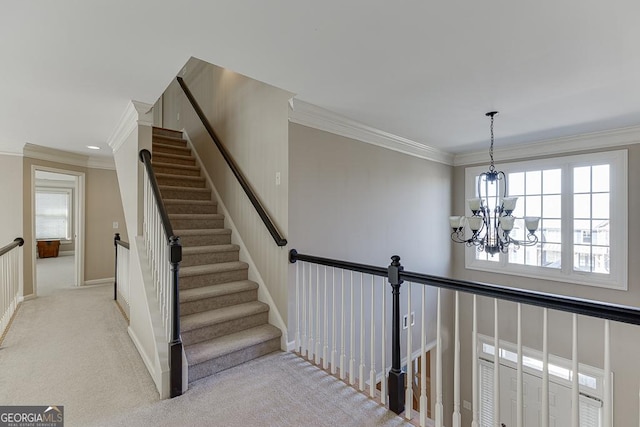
x=474, y=366
x=343, y=355
x=439, y=407
x=310, y=313
x=303, y=343
x=372, y=339
x=496, y=366
x=325, y=349
x=352, y=342
x=408, y=400
x=606, y=385
x=318, y=338
x=545, y=368
x=519, y=381
x=297, y=306
x=456, y=366
x=423, y=359
x=362, y=334
x=334, y=349
x=383, y=344
x=575, y=386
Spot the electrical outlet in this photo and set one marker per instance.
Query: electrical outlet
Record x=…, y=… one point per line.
x=466, y=405
x=277, y=178
x=115, y=225
x=405, y=320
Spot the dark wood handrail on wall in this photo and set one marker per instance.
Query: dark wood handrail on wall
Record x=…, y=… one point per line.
x=277, y=237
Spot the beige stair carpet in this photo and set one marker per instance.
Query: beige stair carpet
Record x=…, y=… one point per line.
x=222, y=322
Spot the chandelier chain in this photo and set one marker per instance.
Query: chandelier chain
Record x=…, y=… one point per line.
x=491, y=167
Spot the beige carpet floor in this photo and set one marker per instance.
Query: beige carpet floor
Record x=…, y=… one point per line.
x=71, y=348
x=55, y=273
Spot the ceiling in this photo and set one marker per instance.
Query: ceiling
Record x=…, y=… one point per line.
x=426, y=70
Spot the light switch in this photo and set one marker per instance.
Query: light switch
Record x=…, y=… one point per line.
x=115, y=225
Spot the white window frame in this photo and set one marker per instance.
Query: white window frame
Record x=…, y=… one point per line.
x=70, y=219
x=618, y=211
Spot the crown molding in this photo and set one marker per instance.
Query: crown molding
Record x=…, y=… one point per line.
x=101, y=163
x=306, y=114
x=564, y=145
x=135, y=114
x=66, y=157
x=52, y=155
x=11, y=153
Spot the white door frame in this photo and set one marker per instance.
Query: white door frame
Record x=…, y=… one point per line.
x=78, y=227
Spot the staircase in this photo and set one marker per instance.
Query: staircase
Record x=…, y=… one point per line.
x=222, y=322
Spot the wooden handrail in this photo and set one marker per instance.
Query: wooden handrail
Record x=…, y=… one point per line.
x=603, y=310
x=145, y=158
x=18, y=241
x=257, y=205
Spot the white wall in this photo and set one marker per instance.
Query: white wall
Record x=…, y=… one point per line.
x=11, y=196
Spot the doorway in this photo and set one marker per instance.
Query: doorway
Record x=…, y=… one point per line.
x=58, y=227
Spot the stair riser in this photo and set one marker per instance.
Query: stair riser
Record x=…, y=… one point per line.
x=190, y=282
x=206, y=240
x=183, y=194
x=175, y=171
x=230, y=360
x=224, y=328
x=160, y=158
x=167, y=132
x=214, y=303
x=171, y=149
x=208, y=258
x=190, y=209
x=190, y=224
x=176, y=181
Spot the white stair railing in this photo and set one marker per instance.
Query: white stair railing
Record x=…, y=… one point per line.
x=164, y=253
x=352, y=297
x=10, y=285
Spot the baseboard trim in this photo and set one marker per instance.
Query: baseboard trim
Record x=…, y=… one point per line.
x=144, y=356
x=98, y=281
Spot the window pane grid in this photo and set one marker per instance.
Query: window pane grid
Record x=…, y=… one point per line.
x=591, y=212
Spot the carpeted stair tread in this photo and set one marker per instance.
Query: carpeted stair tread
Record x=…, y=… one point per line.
x=214, y=291
x=173, y=156
x=191, y=250
x=177, y=149
x=196, y=216
x=171, y=133
x=220, y=267
x=189, y=202
x=217, y=347
x=175, y=166
x=204, y=319
x=202, y=231
x=179, y=188
x=180, y=177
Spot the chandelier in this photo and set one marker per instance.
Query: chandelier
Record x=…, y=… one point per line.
x=492, y=222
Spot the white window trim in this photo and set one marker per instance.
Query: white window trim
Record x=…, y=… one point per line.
x=618, y=179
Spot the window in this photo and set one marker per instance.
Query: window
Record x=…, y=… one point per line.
x=582, y=204
x=53, y=214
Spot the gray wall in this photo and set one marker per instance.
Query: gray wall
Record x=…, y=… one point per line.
x=358, y=202
x=626, y=342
